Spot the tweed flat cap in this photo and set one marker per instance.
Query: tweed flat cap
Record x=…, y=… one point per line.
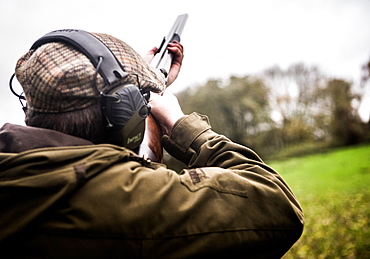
x=57, y=78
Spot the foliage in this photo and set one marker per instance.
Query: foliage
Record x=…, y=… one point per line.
x=345, y=123
x=333, y=191
x=238, y=109
x=280, y=110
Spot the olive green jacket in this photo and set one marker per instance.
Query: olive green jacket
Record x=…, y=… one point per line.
x=63, y=197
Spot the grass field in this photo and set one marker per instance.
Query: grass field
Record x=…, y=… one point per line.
x=334, y=191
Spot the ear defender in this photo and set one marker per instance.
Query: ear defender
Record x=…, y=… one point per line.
x=124, y=106
x=125, y=110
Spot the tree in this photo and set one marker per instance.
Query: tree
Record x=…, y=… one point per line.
x=294, y=100
x=345, y=122
x=295, y=108
x=364, y=87
x=205, y=99
x=238, y=108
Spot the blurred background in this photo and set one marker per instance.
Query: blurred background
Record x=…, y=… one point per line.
x=221, y=39
x=289, y=78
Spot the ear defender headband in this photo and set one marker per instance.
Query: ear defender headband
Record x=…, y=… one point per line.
x=124, y=106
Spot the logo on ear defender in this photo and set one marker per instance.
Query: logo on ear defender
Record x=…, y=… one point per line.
x=134, y=139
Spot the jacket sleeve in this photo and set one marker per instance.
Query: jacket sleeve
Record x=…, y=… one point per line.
x=272, y=219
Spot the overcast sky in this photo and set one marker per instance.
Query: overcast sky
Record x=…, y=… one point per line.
x=221, y=38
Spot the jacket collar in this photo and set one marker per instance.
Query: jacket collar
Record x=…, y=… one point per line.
x=16, y=138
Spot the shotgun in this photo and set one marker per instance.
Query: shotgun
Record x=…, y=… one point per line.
x=151, y=145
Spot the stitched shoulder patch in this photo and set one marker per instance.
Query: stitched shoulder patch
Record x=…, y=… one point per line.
x=219, y=179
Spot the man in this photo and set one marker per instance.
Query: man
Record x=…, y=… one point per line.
x=67, y=192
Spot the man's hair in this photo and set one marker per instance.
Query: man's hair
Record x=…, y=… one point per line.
x=84, y=123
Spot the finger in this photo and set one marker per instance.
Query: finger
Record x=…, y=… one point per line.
x=150, y=55
x=176, y=44
x=177, y=54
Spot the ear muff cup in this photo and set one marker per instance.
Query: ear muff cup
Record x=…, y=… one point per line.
x=125, y=109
